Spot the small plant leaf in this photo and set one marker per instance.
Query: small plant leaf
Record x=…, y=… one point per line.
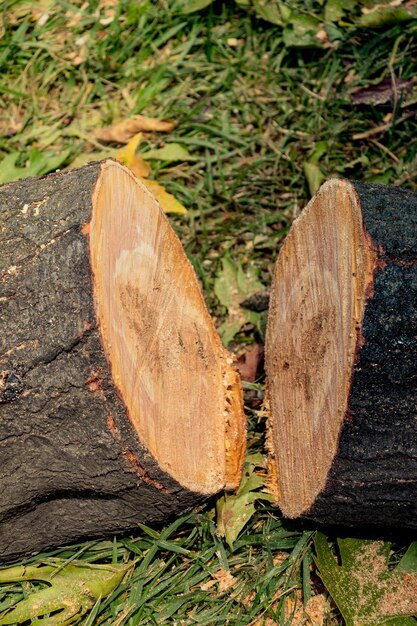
x=366, y=591
x=234, y=511
x=335, y=9
x=314, y=176
x=37, y=164
x=191, y=6
x=312, y=171
x=273, y=11
x=386, y=15
x=409, y=560
x=232, y=286
x=167, y=201
x=301, y=31
x=170, y=152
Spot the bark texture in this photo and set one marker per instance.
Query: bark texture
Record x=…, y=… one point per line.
x=373, y=479
x=71, y=465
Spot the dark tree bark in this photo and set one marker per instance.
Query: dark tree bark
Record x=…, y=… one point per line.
x=74, y=461
x=350, y=457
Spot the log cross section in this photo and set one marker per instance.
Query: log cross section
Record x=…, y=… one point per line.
x=341, y=359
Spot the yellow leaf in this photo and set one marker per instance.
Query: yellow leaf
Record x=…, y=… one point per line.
x=128, y=157
x=126, y=154
x=167, y=201
x=139, y=167
x=123, y=131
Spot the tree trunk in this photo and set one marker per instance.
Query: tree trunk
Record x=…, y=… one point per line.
x=341, y=359
x=118, y=403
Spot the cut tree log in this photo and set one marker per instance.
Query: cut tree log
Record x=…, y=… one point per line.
x=118, y=402
x=341, y=359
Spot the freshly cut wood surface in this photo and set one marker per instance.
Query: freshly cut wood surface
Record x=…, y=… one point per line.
x=118, y=403
x=167, y=361
x=342, y=320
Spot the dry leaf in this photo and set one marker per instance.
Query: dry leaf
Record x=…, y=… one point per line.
x=139, y=167
x=126, y=154
x=248, y=364
x=123, y=131
x=128, y=157
x=167, y=201
x=385, y=91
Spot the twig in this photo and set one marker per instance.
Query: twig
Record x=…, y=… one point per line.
x=382, y=128
x=386, y=150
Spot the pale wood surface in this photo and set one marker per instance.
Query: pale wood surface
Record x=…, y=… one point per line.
x=317, y=305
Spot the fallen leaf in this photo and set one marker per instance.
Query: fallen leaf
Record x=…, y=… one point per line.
x=314, y=176
x=37, y=164
x=168, y=202
x=234, y=43
x=123, y=131
x=170, y=152
x=408, y=562
x=72, y=590
x=335, y=9
x=232, y=286
x=191, y=6
x=128, y=157
x=248, y=364
x=208, y=585
x=139, y=167
x=366, y=591
x=384, y=14
x=276, y=12
x=385, y=91
x=301, y=31
x=126, y=154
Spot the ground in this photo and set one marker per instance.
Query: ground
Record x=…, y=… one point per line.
x=264, y=122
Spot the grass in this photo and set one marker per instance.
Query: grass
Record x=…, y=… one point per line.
x=252, y=112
